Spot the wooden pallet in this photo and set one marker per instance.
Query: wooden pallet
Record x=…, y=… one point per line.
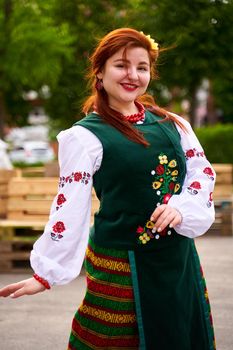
x=28, y=206
x=5, y=176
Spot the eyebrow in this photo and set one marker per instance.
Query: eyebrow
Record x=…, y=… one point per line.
x=124, y=60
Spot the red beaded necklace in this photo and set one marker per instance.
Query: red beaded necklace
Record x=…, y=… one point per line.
x=134, y=118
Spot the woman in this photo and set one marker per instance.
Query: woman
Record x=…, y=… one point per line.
x=145, y=288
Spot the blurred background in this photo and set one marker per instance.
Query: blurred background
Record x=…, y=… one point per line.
x=44, y=49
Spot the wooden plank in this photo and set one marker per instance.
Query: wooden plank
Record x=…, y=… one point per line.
x=29, y=206
x=33, y=171
x=3, y=188
x=15, y=256
x=25, y=217
x=224, y=173
x=36, y=224
x=223, y=191
x=5, y=175
x=25, y=186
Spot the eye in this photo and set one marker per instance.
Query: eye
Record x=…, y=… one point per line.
x=144, y=69
x=120, y=65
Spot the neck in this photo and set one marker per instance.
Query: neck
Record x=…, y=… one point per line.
x=126, y=109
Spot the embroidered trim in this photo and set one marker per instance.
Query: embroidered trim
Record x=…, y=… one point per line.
x=79, y=176
x=106, y=315
x=116, y=265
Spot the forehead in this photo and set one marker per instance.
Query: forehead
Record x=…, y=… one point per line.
x=132, y=54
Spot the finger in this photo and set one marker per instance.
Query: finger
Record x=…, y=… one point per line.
x=157, y=212
x=11, y=288
x=19, y=293
x=176, y=221
x=164, y=221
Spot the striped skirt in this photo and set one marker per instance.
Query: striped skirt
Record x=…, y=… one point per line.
x=106, y=318
x=164, y=288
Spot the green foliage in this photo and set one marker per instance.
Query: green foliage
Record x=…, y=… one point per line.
x=49, y=42
x=217, y=142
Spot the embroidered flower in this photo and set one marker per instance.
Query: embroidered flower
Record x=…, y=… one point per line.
x=163, y=159
x=77, y=176
x=172, y=163
x=166, y=198
x=160, y=169
x=140, y=229
x=194, y=187
x=60, y=200
x=190, y=153
x=58, y=228
x=144, y=238
x=209, y=172
x=156, y=185
x=177, y=187
x=150, y=224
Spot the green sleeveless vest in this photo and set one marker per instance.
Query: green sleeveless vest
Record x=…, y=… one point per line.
x=133, y=180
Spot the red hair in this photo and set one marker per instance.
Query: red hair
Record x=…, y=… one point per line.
x=98, y=100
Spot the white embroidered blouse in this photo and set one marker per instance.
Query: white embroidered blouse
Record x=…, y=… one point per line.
x=58, y=254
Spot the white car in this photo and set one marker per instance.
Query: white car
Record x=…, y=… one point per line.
x=32, y=152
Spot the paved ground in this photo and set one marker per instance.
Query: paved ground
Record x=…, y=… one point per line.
x=42, y=322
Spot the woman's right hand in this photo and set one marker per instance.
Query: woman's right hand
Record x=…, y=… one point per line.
x=29, y=286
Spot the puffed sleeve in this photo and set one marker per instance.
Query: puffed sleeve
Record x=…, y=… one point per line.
x=195, y=201
x=58, y=254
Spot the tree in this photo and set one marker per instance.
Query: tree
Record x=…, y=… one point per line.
x=200, y=33
x=32, y=49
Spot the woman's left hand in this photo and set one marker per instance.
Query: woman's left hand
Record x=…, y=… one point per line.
x=164, y=216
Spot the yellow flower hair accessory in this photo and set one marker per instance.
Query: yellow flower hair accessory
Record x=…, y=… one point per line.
x=154, y=45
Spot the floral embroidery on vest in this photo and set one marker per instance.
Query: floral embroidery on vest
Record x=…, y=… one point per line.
x=60, y=200
x=165, y=183
x=78, y=176
x=58, y=228
x=165, y=180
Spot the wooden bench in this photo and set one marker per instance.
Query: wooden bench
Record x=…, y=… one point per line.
x=28, y=205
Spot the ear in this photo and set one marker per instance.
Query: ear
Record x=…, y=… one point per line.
x=99, y=75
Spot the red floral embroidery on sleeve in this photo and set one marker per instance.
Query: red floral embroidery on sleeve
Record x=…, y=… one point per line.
x=194, y=187
x=60, y=200
x=209, y=172
x=83, y=177
x=190, y=153
x=58, y=228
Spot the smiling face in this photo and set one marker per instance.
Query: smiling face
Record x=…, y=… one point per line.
x=126, y=76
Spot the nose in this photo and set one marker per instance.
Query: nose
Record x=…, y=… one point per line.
x=132, y=73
